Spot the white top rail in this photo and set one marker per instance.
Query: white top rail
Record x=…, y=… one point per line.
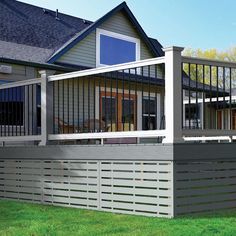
x=109, y=135
x=208, y=62
x=105, y=69
x=20, y=83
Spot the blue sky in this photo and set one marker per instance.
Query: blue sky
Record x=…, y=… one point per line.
x=190, y=23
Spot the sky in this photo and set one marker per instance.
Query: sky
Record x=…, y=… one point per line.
x=192, y=24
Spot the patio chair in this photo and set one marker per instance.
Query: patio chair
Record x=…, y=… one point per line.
x=65, y=128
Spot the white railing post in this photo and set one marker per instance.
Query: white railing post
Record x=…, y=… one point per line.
x=46, y=108
x=173, y=94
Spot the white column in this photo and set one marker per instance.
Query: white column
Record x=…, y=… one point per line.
x=173, y=98
x=46, y=108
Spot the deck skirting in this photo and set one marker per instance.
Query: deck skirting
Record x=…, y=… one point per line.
x=150, y=180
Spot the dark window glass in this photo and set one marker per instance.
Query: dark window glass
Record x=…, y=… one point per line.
x=149, y=104
x=149, y=113
x=11, y=106
x=192, y=112
x=108, y=109
x=128, y=111
x=151, y=125
x=11, y=113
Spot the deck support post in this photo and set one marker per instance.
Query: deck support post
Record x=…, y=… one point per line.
x=173, y=94
x=46, y=108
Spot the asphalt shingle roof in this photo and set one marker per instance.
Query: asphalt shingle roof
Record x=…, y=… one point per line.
x=29, y=25
x=33, y=33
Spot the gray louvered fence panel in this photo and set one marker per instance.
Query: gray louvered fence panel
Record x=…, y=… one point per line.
x=203, y=186
x=135, y=187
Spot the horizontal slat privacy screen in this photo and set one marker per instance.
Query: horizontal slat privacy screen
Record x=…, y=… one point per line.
x=137, y=187
x=203, y=186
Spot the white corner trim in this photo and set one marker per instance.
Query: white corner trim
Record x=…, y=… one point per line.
x=118, y=36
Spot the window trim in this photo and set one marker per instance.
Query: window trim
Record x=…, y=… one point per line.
x=118, y=36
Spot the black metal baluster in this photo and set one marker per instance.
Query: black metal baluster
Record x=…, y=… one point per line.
x=224, y=98
x=189, y=96
x=5, y=112
x=116, y=99
x=135, y=101
x=21, y=107
x=32, y=107
x=73, y=104
x=230, y=98
x=197, y=110
x=105, y=101
x=217, y=87
x=68, y=106
x=203, y=97
x=63, y=106
x=149, y=98
x=1, y=110
x=12, y=111
x=8, y=111
x=78, y=104
x=123, y=99
x=129, y=104
x=142, y=97
x=53, y=104
x=111, y=101
x=100, y=98
x=94, y=105
x=58, y=105
x=158, y=125
x=211, y=124
x=89, y=105
x=28, y=115
x=83, y=115
x=182, y=96
x=24, y=109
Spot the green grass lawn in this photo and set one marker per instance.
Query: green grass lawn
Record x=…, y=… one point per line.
x=31, y=219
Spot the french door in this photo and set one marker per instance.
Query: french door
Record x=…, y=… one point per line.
x=118, y=111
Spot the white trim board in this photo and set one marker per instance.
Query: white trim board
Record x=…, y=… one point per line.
x=118, y=36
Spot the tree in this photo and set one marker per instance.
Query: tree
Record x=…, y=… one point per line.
x=203, y=74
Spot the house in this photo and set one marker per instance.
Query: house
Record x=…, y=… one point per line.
x=98, y=115
x=76, y=44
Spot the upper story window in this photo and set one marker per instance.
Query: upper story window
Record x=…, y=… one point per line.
x=113, y=48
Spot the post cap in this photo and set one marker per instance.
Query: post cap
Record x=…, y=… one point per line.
x=173, y=48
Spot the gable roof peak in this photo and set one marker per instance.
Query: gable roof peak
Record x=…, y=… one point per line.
x=81, y=35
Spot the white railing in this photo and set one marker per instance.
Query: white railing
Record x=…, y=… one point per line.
x=107, y=69
x=108, y=135
x=23, y=127
x=173, y=131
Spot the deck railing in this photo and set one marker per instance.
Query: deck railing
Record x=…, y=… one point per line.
x=168, y=99
x=20, y=111
x=110, y=103
x=208, y=99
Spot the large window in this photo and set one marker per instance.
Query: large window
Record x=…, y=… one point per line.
x=113, y=48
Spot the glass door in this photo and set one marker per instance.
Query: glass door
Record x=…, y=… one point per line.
x=118, y=111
